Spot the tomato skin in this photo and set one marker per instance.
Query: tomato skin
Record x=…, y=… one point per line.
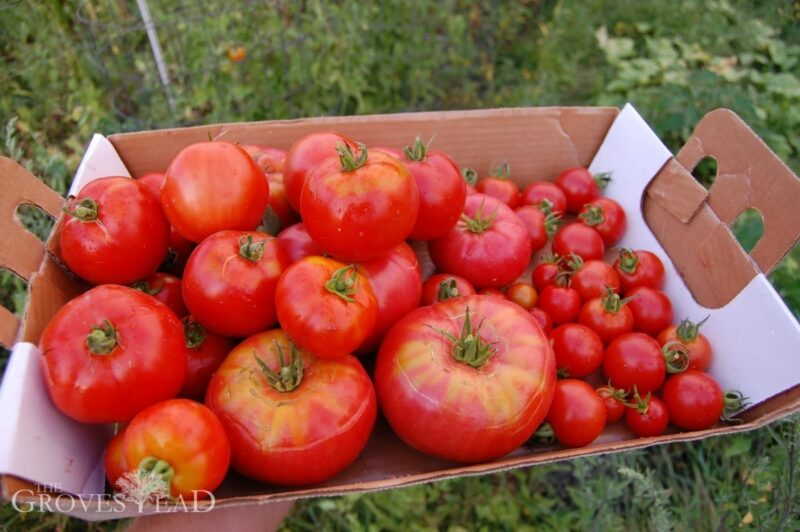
x=639, y=268
x=147, y=363
x=615, y=408
x=501, y=188
x=694, y=400
x=592, y=279
x=579, y=187
x=605, y=216
x=431, y=288
x=166, y=288
x=578, y=349
x=229, y=294
x=318, y=320
x=651, y=309
x=361, y=214
x=561, y=303
x=523, y=295
x=606, y=323
x=205, y=351
x=577, y=414
x=114, y=461
x=298, y=243
x=293, y=438
x=536, y=222
x=545, y=274
x=652, y=423
x=211, y=187
x=544, y=190
x=442, y=192
x=127, y=240
x=635, y=359
x=304, y=155
x=489, y=259
x=543, y=319
x=579, y=239
x=270, y=160
x=153, y=181
x=700, y=350
x=279, y=213
x=189, y=437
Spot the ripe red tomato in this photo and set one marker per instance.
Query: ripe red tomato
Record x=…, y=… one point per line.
x=688, y=333
x=181, y=441
x=153, y=181
x=296, y=241
x=213, y=186
x=442, y=191
x=544, y=191
x=114, y=232
x=304, y=155
x=476, y=372
x=279, y=213
x=578, y=350
x=694, y=400
x=523, y=295
x=110, y=352
x=490, y=246
x=562, y=303
x=358, y=207
x=615, y=401
x=443, y=286
x=540, y=226
x=114, y=461
x=608, y=316
x=635, y=359
x=649, y=416
x=500, y=186
x=546, y=273
x=579, y=239
x=651, y=308
x=164, y=287
x=230, y=279
x=639, y=268
x=543, y=319
x=493, y=292
x=577, y=415
x=292, y=419
x=326, y=307
x=580, y=187
x=607, y=217
x=270, y=160
x=205, y=351
x=592, y=279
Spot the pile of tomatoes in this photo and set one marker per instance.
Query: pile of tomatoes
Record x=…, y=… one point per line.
x=240, y=297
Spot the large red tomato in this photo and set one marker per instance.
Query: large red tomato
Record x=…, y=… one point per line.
x=270, y=160
x=298, y=243
x=205, y=351
x=114, y=231
x=114, y=459
x=111, y=352
x=230, y=279
x=490, y=247
x=467, y=379
x=166, y=288
x=443, y=286
x=292, y=418
x=304, y=155
x=213, y=186
x=358, y=206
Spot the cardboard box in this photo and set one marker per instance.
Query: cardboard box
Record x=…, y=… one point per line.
x=756, y=338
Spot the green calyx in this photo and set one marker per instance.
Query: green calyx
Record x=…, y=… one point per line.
x=688, y=330
x=552, y=222
x=676, y=357
x=480, y=223
x=628, y=261
x=468, y=347
x=419, y=150
x=501, y=171
x=602, y=179
x=544, y=434
x=344, y=282
x=150, y=465
x=733, y=402
x=194, y=332
x=250, y=250
x=448, y=289
x=290, y=372
x=144, y=286
x=470, y=176
x=641, y=404
x=592, y=216
x=84, y=210
x=618, y=394
x=611, y=301
x=350, y=160
x=103, y=339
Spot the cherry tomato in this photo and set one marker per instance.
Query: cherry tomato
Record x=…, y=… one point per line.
x=443, y=286
x=181, y=441
x=358, y=207
x=648, y=418
x=607, y=217
x=114, y=232
x=578, y=350
x=236, y=54
x=580, y=187
x=540, y=226
x=608, y=316
x=213, y=186
x=166, y=288
x=635, y=360
x=688, y=333
x=592, y=279
x=546, y=273
x=577, y=415
x=562, y=303
x=230, y=279
x=615, y=400
x=490, y=246
x=298, y=243
x=544, y=191
x=579, y=239
x=114, y=461
x=523, y=295
x=110, y=352
x=543, y=319
x=303, y=156
x=326, y=307
x=476, y=372
x=205, y=351
x=694, y=400
x=639, y=268
x=651, y=308
x=500, y=186
x=292, y=419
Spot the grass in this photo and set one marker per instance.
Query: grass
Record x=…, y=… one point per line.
x=71, y=68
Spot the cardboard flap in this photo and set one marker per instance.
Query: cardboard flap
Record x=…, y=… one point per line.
x=677, y=192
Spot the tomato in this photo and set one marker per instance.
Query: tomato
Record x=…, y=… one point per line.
x=298, y=243
x=608, y=316
x=578, y=350
x=236, y=54
x=166, y=288
x=615, y=401
x=562, y=303
x=113, y=232
x=607, y=217
x=649, y=416
x=153, y=181
x=490, y=246
x=110, y=352
x=577, y=415
x=471, y=179
x=326, y=307
x=230, y=279
x=279, y=213
x=270, y=160
x=546, y=196
x=580, y=187
x=688, y=333
x=579, y=239
x=443, y=286
x=467, y=379
x=639, y=268
x=292, y=418
x=213, y=186
x=540, y=226
x=592, y=279
x=114, y=461
x=205, y=351
x=396, y=282
x=651, y=308
x=358, y=208
x=442, y=190
x=523, y=295
x=635, y=359
x=304, y=155
x=493, y=292
x=694, y=400
x=500, y=186
x=546, y=273
x=543, y=319
x=182, y=442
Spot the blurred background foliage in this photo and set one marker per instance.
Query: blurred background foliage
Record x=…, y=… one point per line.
x=71, y=68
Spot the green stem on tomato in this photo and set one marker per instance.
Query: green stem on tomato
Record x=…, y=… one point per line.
x=252, y=251
x=84, y=210
x=348, y=159
x=102, y=340
x=290, y=372
x=344, y=282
